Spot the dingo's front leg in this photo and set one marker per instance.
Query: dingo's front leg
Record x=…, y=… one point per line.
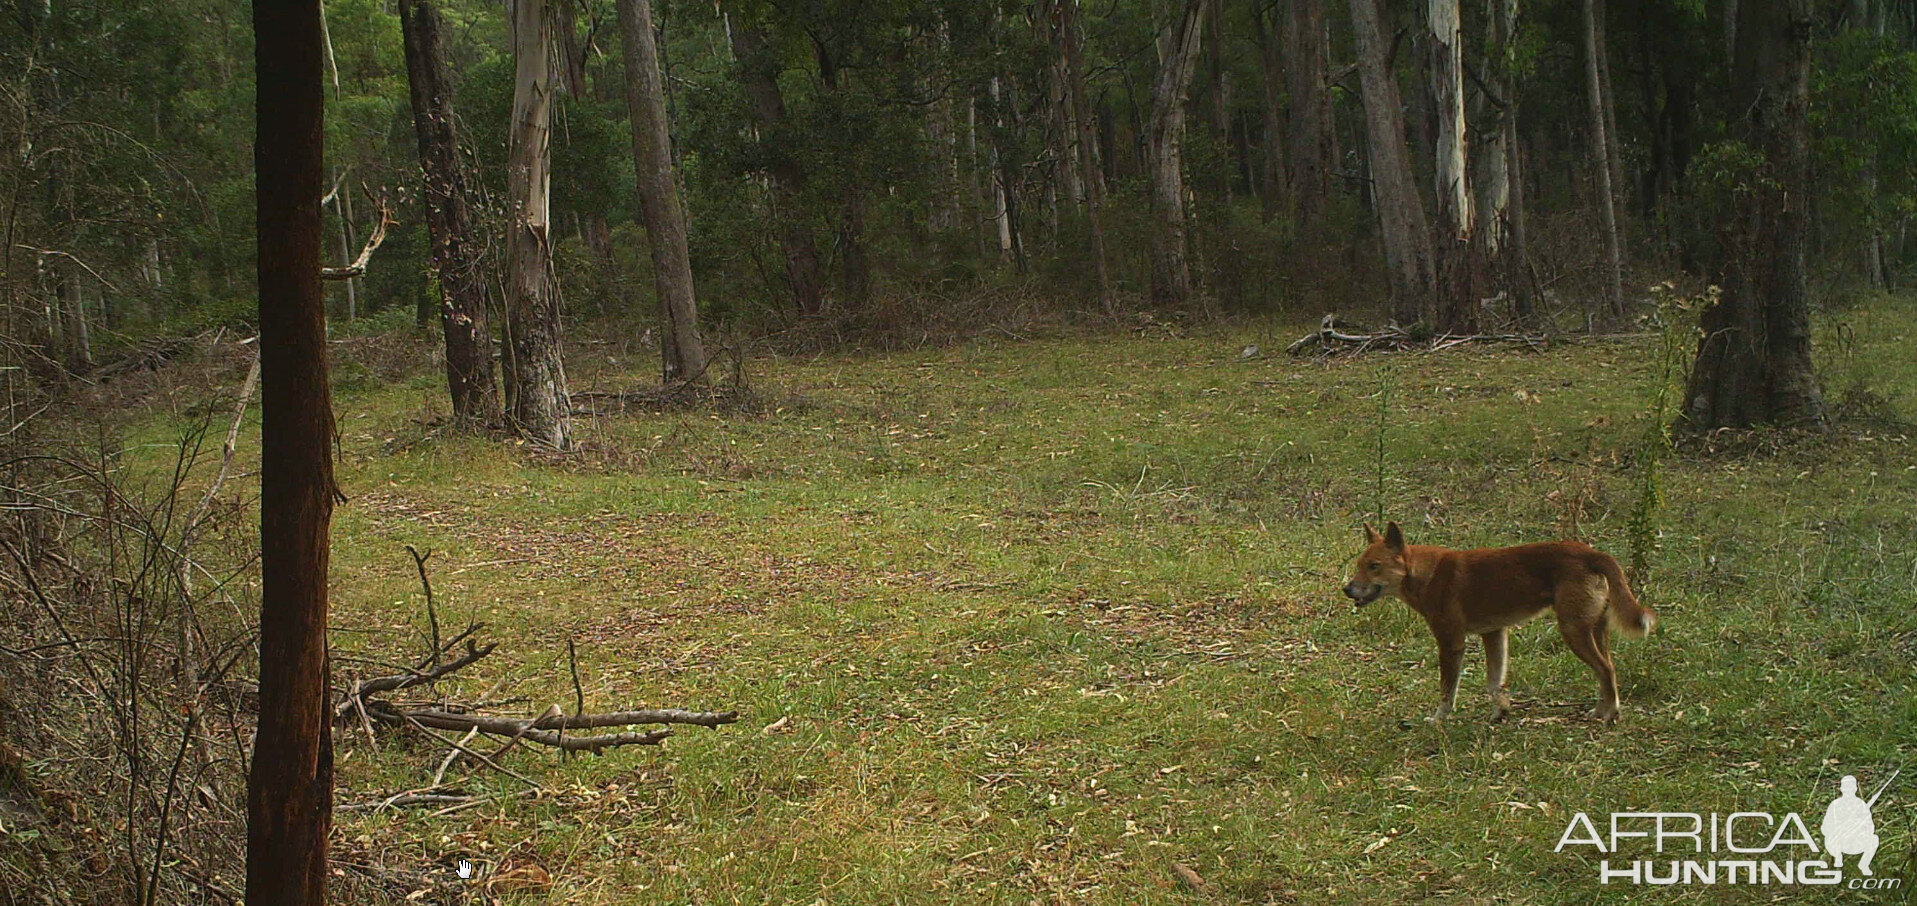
x=1496, y=656
x=1450, y=669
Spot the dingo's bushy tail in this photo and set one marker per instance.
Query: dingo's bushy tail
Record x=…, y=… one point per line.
x=1630, y=617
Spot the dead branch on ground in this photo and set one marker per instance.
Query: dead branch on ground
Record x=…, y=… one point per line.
x=1335, y=337
x=549, y=729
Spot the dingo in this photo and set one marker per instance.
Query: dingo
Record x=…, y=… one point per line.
x=1489, y=590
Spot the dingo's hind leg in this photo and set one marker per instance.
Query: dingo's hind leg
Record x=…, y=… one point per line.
x=1496, y=657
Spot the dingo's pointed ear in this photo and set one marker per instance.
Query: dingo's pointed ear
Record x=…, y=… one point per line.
x=1371, y=534
x=1394, y=537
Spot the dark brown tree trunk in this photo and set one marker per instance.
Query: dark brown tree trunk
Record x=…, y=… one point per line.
x=855, y=270
x=1405, y=230
x=760, y=71
x=1071, y=39
x=540, y=407
x=599, y=238
x=1754, y=360
x=289, y=792
x=1274, y=190
x=942, y=129
x=572, y=51
x=1219, y=79
x=1178, y=63
x=1601, y=164
x=982, y=196
x=682, y=353
x=1311, y=137
x=462, y=286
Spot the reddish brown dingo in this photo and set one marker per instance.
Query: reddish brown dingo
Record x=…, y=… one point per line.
x=1489, y=590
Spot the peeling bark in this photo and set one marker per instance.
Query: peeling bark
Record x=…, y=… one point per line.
x=540, y=409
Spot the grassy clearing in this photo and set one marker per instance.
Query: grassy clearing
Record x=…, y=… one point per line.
x=1042, y=619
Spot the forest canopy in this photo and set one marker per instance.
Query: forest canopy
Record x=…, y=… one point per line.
x=925, y=150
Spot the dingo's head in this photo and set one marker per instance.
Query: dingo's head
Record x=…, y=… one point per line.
x=1380, y=568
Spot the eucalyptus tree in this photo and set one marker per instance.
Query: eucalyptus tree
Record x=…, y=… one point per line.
x=1753, y=362
x=1403, y=226
x=461, y=286
x=537, y=402
x=1165, y=135
x=682, y=354
x=1601, y=161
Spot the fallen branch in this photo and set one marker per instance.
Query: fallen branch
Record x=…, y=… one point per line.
x=547, y=731
x=1334, y=337
x=407, y=681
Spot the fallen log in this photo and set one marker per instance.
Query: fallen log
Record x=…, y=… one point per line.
x=548, y=729
x=1334, y=337
x=526, y=729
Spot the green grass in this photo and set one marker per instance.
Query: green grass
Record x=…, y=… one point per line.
x=1042, y=619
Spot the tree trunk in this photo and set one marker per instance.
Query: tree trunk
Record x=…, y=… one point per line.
x=342, y=207
x=1730, y=31
x=1753, y=362
x=1401, y=218
x=1178, y=62
x=941, y=131
x=76, y=343
x=571, y=51
x=1003, y=186
x=1062, y=131
x=289, y=793
x=1274, y=191
x=1491, y=151
x=1613, y=154
x=1220, y=81
x=540, y=407
x=462, y=286
x=981, y=196
x=1071, y=39
x=1601, y=165
x=855, y=270
x=1311, y=135
x=1501, y=209
x=1457, y=310
x=760, y=73
x=681, y=352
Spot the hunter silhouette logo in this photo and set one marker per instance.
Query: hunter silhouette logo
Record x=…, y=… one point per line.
x=1739, y=849
x=1848, y=828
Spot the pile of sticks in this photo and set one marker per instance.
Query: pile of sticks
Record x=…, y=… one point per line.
x=371, y=701
x=1334, y=337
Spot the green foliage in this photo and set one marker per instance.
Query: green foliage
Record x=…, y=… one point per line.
x=1676, y=323
x=1864, y=128
x=909, y=114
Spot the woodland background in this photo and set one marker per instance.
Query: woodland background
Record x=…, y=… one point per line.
x=908, y=383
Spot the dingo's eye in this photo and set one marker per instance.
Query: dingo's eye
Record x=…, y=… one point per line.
x=1376, y=565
